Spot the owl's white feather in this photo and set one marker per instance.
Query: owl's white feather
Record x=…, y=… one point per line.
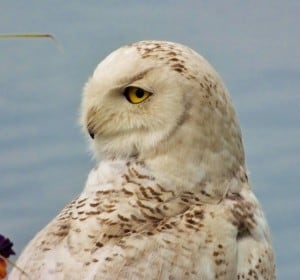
x=170, y=198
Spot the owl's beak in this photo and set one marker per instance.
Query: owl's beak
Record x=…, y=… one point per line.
x=90, y=121
x=91, y=133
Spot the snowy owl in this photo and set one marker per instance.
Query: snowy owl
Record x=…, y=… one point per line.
x=170, y=197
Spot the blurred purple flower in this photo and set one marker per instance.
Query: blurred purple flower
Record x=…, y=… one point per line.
x=6, y=247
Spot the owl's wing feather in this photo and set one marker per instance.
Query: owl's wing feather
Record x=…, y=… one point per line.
x=254, y=246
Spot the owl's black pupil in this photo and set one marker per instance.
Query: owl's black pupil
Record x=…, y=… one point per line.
x=139, y=93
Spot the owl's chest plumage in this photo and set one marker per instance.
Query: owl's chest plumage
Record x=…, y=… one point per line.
x=126, y=222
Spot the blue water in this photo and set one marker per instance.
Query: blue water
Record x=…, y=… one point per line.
x=44, y=158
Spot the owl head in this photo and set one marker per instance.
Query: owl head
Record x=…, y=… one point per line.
x=161, y=100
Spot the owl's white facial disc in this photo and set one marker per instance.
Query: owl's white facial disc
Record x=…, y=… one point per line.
x=119, y=127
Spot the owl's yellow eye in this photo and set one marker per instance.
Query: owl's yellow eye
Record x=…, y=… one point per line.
x=136, y=95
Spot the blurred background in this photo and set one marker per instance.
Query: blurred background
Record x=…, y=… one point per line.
x=44, y=158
